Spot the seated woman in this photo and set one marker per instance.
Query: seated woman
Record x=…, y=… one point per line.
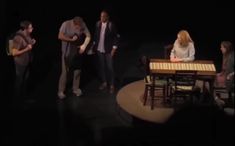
x=227, y=70
x=183, y=49
x=225, y=78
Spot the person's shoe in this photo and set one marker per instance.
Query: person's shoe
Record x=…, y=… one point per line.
x=103, y=86
x=77, y=92
x=111, y=90
x=61, y=95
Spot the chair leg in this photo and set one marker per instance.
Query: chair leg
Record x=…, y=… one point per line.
x=152, y=97
x=168, y=93
x=172, y=98
x=145, y=94
x=192, y=98
x=204, y=87
x=164, y=94
x=167, y=87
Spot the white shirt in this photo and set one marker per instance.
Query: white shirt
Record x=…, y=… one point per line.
x=102, y=35
x=186, y=53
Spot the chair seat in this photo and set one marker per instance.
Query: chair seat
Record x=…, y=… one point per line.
x=158, y=82
x=183, y=88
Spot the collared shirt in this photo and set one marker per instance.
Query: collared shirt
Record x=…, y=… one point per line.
x=102, y=37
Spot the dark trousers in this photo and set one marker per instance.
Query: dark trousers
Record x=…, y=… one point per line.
x=22, y=73
x=106, y=71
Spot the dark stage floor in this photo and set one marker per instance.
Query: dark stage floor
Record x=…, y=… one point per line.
x=94, y=119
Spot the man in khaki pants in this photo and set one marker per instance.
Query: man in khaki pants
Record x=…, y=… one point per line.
x=70, y=31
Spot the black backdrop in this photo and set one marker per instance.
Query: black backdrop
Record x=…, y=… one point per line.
x=137, y=21
x=159, y=20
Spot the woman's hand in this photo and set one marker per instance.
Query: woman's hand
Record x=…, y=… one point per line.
x=230, y=76
x=175, y=59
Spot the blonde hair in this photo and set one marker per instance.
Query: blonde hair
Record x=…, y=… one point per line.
x=185, y=38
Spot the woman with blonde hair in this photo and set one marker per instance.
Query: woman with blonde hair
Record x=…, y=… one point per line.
x=183, y=49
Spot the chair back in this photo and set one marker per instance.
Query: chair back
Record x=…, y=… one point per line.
x=167, y=51
x=185, y=78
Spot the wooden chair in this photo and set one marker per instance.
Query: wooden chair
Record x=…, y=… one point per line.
x=184, y=84
x=167, y=51
x=228, y=90
x=151, y=87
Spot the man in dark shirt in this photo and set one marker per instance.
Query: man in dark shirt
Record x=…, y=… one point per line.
x=105, y=40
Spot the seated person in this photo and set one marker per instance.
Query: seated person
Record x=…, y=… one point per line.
x=183, y=49
x=225, y=78
x=227, y=64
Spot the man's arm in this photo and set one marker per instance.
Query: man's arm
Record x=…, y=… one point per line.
x=116, y=38
x=16, y=51
x=87, y=40
x=62, y=36
x=95, y=37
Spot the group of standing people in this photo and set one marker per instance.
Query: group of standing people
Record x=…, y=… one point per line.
x=105, y=44
x=75, y=38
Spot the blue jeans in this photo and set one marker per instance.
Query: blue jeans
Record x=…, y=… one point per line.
x=106, y=71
